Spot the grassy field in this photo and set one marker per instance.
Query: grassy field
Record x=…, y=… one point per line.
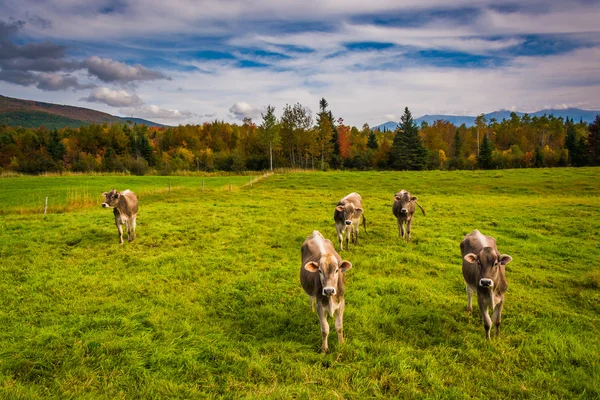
x=207, y=303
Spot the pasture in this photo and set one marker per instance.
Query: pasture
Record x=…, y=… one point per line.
x=207, y=302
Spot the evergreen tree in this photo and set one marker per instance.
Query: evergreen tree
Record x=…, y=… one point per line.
x=269, y=131
x=56, y=148
x=336, y=158
x=538, y=158
x=485, y=153
x=575, y=146
x=408, y=152
x=325, y=131
x=594, y=141
x=457, y=160
x=372, y=141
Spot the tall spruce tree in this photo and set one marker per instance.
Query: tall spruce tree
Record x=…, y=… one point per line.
x=575, y=146
x=485, y=153
x=408, y=152
x=324, y=131
x=372, y=141
x=269, y=132
x=594, y=141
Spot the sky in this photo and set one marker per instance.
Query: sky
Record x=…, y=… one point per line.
x=185, y=61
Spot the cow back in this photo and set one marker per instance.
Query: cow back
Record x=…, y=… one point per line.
x=128, y=203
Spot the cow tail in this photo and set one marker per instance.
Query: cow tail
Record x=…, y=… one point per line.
x=364, y=222
x=422, y=210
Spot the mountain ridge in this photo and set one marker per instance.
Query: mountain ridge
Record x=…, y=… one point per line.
x=575, y=113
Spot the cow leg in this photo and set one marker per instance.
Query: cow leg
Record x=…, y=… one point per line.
x=348, y=232
x=408, y=224
x=324, y=326
x=356, y=233
x=400, y=229
x=339, y=323
x=487, y=321
x=120, y=229
x=311, y=301
x=469, y=299
x=340, y=233
x=133, y=223
x=497, y=316
x=128, y=223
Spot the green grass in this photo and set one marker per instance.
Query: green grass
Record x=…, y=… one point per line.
x=207, y=302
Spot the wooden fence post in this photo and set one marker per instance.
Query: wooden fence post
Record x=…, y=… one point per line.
x=203, y=185
x=46, y=205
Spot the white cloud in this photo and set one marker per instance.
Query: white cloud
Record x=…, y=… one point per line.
x=114, y=98
x=241, y=110
x=158, y=113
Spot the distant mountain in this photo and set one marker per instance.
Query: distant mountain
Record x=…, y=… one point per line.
x=33, y=114
x=141, y=121
x=574, y=113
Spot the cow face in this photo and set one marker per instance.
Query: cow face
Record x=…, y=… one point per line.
x=404, y=198
x=348, y=212
x=111, y=199
x=489, y=263
x=329, y=272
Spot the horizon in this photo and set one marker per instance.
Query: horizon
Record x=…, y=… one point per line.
x=177, y=64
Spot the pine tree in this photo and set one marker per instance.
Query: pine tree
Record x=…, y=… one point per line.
x=485, y=153
x=269, y=132
x=325, y=131
x=408, y=152
x=56, y=148
x=575, y=146
x=372, y=141
x=594, y=141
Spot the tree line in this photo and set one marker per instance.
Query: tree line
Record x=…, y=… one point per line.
x=295, y=140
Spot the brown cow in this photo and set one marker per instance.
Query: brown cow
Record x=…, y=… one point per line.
x=403, y=209
x=125, y=208
x=322, y=278
x=347, y=219
x=483, y=270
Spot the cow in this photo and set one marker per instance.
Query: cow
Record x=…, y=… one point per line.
x=322, y=278
x=403, y=209
x=125, y=208
x=347, y=219
x=484, y=274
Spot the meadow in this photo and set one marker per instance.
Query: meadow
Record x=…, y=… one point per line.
x=207, y=302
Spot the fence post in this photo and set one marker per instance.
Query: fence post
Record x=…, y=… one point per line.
x=250, y=181
x=46, y=205
x=230, y=187
x=169, y=185
x=203, y=185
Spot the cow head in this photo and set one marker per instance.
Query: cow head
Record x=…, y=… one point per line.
x=489, y=262
x=404, y=198
x=111, y=199
x=329, y=272
x=348, y=210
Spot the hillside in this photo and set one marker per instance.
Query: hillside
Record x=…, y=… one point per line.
x=33, y=114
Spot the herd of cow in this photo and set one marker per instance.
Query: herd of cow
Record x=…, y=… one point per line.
x=322, y=270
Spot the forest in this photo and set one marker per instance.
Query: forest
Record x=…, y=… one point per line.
x=299, y=141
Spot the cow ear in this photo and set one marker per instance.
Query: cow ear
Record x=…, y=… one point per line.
x=339, y=208
x=505, y=259
x=396, y=198
x=472, y=258
x=414, y=198
x=345, y=265
x=311, y=266
x=359, y=210
x=117, y=195
x=104, y=194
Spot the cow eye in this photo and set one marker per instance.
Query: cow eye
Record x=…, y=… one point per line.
x=336, y=270
x=321, y=272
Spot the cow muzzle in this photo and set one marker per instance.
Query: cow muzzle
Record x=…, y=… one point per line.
x=328, y=291
x=348, y=222
x=104, y=205
x=404, y=211
x=487, y=283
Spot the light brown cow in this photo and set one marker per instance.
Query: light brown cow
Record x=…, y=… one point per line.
x=125, y=208
x=404, y=209
x=322, y=278
x=483, y=270
x=347, y=219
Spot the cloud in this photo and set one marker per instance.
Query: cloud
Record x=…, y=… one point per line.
x=50, y=81
x=114, y=98
x=241, y=110
x=153, y=111
x=108, y=70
